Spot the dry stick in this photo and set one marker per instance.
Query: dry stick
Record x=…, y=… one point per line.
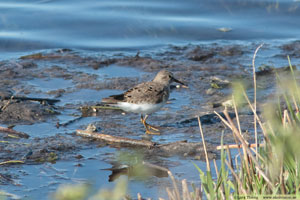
x=284, y=119
x=176, y=190
x=257, y=166
x=170, y=194
x=238, y=122
x=288, y=117
x=259, y=156
x=198, y=194
x=254, y=85
x=236, y=115
x=256, y=116
x=11, y=131
x=185, y=190
x=232, y=127
x=237, y=146
x=216, y=167
x=236, y=177
x=224, y=121
x=296, y=85
x=69, y=122
x=243, y=141
x=7, y=103
x=204, y=145
x=115, y=139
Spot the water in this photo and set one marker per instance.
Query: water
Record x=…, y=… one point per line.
x=135, y=24
x=118, y=28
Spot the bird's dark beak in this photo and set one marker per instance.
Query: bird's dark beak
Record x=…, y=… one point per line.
x=177, y=81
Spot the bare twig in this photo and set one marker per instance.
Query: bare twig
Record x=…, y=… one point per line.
x=256, y=116
x=238, y=123
x=204, y=145
x=115, y=139
x=171, y=195
x=176, y=190
x=7, y=104
x=248, y=152
x=185, y=190
x=237, y=146
x=254, y=85
x=223, y=120
x=236, y=178
x=295, y=83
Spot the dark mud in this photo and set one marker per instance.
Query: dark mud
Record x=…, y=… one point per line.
x=24, y=112
x=80, y=79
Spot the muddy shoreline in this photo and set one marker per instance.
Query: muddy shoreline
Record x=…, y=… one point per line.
x=76, y=80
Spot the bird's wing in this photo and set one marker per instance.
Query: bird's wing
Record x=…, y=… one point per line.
x=113, y=99
x=149, y=92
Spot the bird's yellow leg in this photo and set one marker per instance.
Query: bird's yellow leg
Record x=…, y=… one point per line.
x=148, y=127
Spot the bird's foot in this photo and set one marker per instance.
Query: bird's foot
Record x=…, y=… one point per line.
x=151, y=132
x=155, y=128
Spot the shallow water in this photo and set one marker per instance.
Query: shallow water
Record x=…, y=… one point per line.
x=164, y=31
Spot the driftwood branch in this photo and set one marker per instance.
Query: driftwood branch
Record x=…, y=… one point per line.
x=13, y=132
x=115, y=139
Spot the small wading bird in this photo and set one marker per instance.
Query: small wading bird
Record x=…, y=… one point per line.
x=145, y=98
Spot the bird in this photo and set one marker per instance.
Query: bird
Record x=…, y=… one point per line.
x=145, y=98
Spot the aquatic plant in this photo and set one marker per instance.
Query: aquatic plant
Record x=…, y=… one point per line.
x=269, y=168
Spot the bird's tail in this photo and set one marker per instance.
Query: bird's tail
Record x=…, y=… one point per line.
x=114, y=99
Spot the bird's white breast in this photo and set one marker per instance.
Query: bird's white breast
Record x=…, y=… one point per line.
x=143, y=108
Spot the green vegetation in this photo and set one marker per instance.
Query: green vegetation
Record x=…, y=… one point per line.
x=269, y=168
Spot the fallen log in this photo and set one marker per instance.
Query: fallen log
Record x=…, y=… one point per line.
x=115, y=139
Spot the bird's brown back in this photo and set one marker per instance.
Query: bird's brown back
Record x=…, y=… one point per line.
x=148, y=92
